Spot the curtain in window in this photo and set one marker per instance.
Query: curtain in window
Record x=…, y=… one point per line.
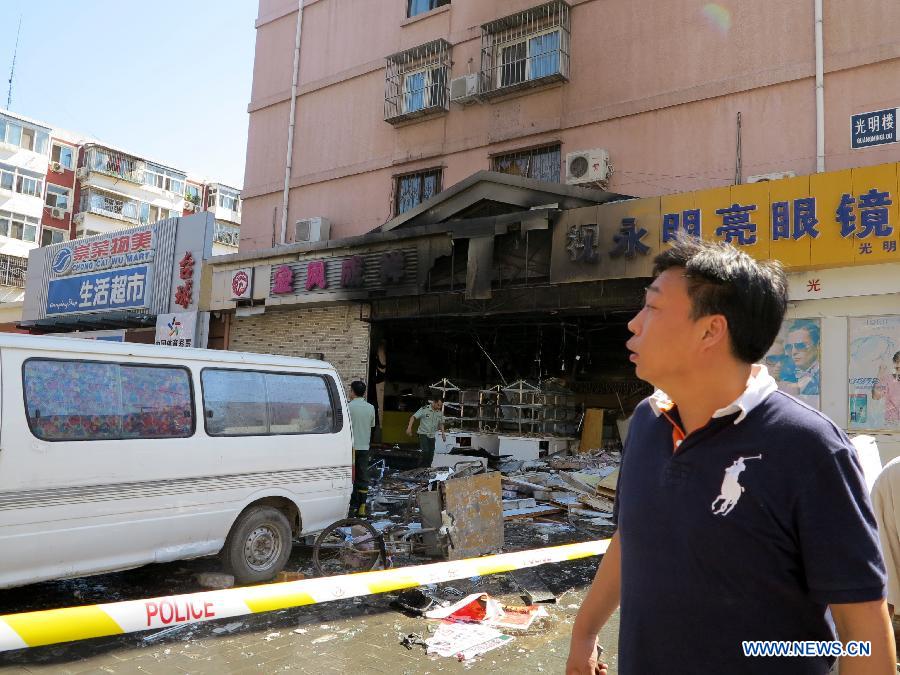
x=413, y=92
x=544, y=54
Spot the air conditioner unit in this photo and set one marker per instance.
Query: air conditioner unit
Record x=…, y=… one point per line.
x=464, y=89
x=82, y=172
x=188, y=206
x=312, y=229
x=587, y=166
x=78, y=219
x=56, y=166
x=764, y=177
x=57, y=213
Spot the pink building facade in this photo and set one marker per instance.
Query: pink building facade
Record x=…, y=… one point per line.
x=662, y=87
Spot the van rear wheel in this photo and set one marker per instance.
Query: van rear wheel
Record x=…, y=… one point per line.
x=258, y=546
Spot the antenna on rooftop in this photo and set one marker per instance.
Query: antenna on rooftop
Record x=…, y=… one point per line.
x=12, y=70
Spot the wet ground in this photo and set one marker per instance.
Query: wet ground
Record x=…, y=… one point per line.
x=360, y=635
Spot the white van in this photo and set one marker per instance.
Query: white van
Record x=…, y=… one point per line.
x=117, y=455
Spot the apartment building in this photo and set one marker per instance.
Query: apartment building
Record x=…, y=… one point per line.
x=399, y=99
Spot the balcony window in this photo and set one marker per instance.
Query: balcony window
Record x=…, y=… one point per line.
x=114, y=164
x=164, y=179
x=416, y=7
x=538, y=163
x=21, y=180
x=50, y=235
x=192, y=194
x=413, y=189
x=527, y=49
x=227, y=235
x=23, y=135
x=12, y=270
x=62, y=154
x=110, y=205
x=17, y=226
x=416, y=82
x=58, y=197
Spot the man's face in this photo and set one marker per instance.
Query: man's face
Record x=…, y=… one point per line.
x=667, y=342
x=799, y=346
x=897, y=369
x=437, y=405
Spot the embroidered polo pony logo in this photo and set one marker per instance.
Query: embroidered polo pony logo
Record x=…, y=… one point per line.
x=731, y=489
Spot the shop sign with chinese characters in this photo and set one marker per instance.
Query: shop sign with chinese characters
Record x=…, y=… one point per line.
x=242, y=284
x=116, y=250
x=354, y=273
x=873, y=128
x=125, y=288
x=832, y=219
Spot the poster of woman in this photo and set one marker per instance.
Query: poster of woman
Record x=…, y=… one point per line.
x=794, y=359
x=874, y=373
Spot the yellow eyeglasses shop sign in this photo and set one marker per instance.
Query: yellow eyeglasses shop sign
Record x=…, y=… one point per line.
x=835, y=219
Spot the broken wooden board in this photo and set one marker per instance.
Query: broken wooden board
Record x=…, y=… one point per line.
x=475, y=508
x=592, y=433
x=540, y=510
x=605, y=492
x=521, y=503
x=566, y=500
x=575, y=483
x=610, y=482
x=596, y=503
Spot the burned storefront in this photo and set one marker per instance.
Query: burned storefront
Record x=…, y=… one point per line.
x=506, y=296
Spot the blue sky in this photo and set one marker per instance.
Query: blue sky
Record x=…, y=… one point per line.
x=169, y=79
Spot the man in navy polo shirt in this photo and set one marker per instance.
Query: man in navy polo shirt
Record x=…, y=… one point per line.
x=742, y=513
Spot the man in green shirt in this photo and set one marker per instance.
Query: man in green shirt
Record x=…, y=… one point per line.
x=431, y=420
x=362, y=420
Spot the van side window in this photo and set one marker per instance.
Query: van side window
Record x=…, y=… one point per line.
x=95, y=400
x=234, y=402
x=251, y=403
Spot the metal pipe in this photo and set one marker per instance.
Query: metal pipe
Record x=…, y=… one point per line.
x=820, y=89
x=290, y=139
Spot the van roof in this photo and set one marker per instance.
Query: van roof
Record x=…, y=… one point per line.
x=65, y=344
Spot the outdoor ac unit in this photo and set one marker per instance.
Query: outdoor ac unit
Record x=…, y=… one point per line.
x=464, y=89
x=82, y=172
x=587, y=166
x=312, y=229
x=78, y=219
x=188, y=206
x=56, y=166
x=57, y=213
x=763, y=177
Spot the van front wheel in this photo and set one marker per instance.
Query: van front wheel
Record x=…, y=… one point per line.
x=258, y=546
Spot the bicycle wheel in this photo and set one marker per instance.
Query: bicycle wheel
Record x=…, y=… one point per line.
x=348, y=546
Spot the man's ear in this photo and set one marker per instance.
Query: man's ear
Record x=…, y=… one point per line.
x=715, y=331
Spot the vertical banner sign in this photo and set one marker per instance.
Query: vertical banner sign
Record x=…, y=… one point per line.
x=794, y=360
x=874, y=373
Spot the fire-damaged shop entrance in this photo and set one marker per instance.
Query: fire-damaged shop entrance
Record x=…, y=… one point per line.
x=540, y=362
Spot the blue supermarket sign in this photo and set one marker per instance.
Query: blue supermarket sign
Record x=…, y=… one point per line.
x=126, y=288
x=873, y=128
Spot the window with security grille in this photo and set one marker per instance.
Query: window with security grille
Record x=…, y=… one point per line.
x=413, y=189
x=538, y=163
x=526, y=49
x=416, y=82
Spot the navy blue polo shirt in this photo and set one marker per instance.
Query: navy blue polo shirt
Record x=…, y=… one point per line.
x=747, y=532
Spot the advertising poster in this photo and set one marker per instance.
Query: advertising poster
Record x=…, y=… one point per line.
x=874, y=373
x=794, y=360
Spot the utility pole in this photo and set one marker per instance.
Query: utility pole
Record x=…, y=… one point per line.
x=12, y=70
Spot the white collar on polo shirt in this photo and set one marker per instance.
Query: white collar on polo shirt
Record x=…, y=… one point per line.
x=759, y=387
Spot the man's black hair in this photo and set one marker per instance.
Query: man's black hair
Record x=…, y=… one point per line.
x=751, y=294
x=358, y=387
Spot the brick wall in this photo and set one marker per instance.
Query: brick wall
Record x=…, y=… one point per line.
x=333, y=330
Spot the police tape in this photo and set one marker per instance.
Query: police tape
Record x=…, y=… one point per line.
x=34, y=629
